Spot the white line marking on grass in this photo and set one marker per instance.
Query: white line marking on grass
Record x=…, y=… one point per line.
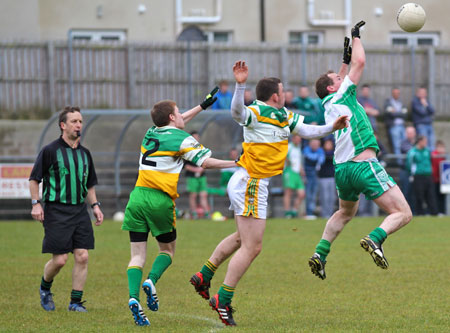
x=208, y=320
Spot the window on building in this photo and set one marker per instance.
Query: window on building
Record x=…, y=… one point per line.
x=307, y=37
x=416, y=39
x=99, y=35
x=220, y=36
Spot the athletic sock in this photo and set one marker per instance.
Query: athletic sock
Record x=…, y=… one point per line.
x=134, y=274
x=323, y=248
x=76, y=296
x=160, y=264
x=46, y=285
x=225, y=294
x=208, y=271
x=378, y=235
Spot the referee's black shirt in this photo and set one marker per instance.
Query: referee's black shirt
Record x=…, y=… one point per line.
x=67, y=173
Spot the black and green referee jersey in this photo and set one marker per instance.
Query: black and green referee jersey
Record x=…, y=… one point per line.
x=67, y=173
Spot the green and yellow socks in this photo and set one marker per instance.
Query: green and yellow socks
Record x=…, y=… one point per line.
x=208, y=271
x=226, y=294
x=378, y=235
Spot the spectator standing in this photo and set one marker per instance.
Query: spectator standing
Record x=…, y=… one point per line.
x=197, y=186
x=224, y=97
x=418, y=163
x=308, y=107
x=395, y=114
x=422, y=116
x=369, y=105
x=437, y=156
x=405, y=182
x=292, y=178
x=314, y=156
x=289, y=99
x=327, y=184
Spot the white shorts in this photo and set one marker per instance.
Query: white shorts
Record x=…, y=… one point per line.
x=248, y=196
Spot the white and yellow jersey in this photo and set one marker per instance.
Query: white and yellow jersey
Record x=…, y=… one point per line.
x=266, y=133
x=161, y=160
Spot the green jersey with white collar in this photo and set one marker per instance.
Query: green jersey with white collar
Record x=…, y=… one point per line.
x=359, y=136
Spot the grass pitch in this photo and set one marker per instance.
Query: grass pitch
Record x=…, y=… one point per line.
x=277, y=294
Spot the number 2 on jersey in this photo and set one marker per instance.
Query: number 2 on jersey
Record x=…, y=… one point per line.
x=149, y=152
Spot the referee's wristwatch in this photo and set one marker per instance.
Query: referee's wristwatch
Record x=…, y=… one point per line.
x=97, y=203
x=35, y=202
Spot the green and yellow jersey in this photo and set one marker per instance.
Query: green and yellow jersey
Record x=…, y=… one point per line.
x=163, y=150
x=266, y=133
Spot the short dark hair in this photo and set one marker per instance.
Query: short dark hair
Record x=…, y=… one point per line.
x=64, y=112
x=366, y=85
x=266, y=87
x=161, y=112
x=322, y=83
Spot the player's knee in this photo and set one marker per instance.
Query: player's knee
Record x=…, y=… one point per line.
x=82, y=257
x=60, y=261
x=407, y=215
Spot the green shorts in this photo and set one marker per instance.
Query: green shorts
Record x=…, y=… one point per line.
x=149, y=210
x=367, y=177
x=292, y=179
x=196, y=185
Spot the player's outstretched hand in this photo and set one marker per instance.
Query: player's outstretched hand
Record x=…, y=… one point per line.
x=209, y=99
x=240, y=71
x=355, y=29
x=340, y=123
x=347, y=57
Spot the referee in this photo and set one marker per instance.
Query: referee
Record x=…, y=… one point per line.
x=68, y=175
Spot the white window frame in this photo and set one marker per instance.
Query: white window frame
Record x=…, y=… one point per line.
x=304, y=37
x=412, y=39
x=211, y=34
x=98, y=35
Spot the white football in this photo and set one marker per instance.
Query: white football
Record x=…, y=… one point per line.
x=118, y=216
x=411, y=17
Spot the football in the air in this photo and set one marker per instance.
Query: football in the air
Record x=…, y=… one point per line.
x=411, y=17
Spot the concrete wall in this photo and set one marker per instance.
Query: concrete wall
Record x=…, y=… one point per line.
x=51, y=19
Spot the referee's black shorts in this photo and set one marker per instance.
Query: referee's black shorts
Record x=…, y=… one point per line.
x=67, y=227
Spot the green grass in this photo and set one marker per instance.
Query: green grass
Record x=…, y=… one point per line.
x=278, y=292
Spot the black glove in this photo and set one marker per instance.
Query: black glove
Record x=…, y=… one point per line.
x=347, y=57
x=355, y=29
x=209, y=99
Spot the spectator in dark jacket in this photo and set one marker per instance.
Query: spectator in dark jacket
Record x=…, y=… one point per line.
x=395, y=114
x=327, y=184
x=405, y=182
x=422, y=116
x=313, y=156
x=369, y=105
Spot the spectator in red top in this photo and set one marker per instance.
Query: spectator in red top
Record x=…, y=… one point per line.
x=437, y=156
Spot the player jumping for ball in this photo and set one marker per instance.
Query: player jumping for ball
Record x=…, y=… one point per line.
x=357, y=169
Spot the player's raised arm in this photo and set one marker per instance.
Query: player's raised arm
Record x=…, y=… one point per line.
x=207, y=102
x=358, y=58
x=240, y=71
x=346, y=58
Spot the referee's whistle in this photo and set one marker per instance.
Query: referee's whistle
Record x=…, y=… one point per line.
x=78, y=133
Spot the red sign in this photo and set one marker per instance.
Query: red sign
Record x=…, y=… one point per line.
x=14, y=180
